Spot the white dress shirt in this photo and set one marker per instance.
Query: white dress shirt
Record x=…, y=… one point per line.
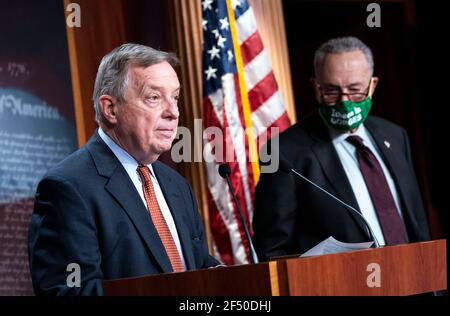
x=130, y=165
x=347, y=156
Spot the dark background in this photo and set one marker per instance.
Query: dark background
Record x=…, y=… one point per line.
x=34, y=34
x=409, y=58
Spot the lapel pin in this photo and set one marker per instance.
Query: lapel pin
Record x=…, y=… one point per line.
x=388, y=145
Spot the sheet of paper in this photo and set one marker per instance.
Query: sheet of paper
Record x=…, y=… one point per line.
x=331, y=245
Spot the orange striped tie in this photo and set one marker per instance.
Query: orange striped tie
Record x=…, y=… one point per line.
x=158, y=219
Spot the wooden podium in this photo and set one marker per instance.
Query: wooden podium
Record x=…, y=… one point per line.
x=400, y=270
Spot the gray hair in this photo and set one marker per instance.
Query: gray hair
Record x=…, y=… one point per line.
x=112, y=74
x=342, y=45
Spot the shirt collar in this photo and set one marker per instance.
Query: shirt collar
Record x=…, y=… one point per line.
x=124, y=157
x=338, y=137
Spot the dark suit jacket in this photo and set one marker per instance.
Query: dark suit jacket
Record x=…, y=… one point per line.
x=87, y=211
x=291, y=216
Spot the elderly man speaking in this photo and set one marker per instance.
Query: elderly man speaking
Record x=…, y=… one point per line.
x=111, y=208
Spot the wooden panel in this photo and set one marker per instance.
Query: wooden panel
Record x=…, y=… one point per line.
x=102, y=29
x=244, y=280
x=405, y=270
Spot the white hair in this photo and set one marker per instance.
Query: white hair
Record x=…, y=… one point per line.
x=112, y=74
x=342, y=45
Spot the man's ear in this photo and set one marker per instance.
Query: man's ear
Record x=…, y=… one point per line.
x=373, y=85
x=315, y=86
x=108, y=108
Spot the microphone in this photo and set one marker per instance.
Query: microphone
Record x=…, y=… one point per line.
x=287, y=167
x=225, y=171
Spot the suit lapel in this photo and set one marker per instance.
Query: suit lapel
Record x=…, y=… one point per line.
x=122, y=189
x=172, y=195
x=332, y=167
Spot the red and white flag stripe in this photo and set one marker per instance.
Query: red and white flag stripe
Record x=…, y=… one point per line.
x=225, y=101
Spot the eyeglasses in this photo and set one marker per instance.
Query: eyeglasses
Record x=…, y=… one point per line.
x=333, y=96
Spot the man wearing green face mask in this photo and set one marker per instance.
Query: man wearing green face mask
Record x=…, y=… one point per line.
x=345, y=115
x=363, y=160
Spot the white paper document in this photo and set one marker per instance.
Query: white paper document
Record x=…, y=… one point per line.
x=331, y=245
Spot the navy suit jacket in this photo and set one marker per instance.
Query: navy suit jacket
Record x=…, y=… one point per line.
x=87, y=211
x=292, y=216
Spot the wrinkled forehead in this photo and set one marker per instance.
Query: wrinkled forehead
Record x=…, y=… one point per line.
x=344, y=69
x=160, y=76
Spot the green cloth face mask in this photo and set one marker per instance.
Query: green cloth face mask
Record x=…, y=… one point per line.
x=346, y=115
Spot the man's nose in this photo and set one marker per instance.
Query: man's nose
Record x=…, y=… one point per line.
x=344, y=97
x=172, y=108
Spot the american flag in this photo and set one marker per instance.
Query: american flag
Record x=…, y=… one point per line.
x=239, y=93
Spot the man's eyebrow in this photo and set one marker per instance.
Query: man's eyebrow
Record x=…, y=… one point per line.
x=350, y=86
x=330, y=86
x=144, y=89
x=154, y=87
x=355, y=85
